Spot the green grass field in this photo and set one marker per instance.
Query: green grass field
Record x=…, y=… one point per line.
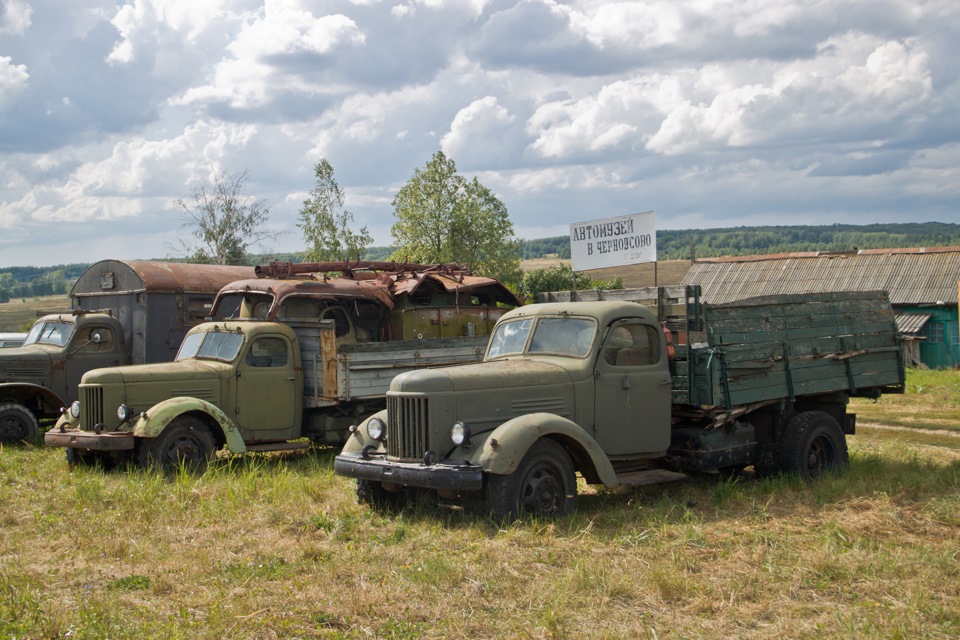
x=275, y=546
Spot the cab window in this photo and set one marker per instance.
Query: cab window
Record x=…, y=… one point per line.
x=267, y=352
x=340, y=320
x=632, y=345
x=96, y=339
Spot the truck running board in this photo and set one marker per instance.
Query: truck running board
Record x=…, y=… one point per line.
x=650, y=476
x=279, y=446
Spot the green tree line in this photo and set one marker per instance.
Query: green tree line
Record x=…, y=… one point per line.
x=25, y=281
x=745, y=241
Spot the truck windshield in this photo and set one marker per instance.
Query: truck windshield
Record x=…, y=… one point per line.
x=240, y=304
x=509, y=338
x=55, y=333
x=217, y=345
x=564, y=336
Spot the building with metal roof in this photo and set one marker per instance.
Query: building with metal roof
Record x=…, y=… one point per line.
x=922, y=284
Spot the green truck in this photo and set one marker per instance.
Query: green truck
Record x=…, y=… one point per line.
x=294, y=358
x=625, y=394
x=123, y=312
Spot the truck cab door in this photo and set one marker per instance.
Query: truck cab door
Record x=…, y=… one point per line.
x=268, y=397
x=632, y=398
x=91, y=347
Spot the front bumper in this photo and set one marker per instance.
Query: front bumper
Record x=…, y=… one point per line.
x=459, y=477
x=89, y=440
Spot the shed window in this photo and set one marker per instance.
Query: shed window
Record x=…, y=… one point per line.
x=934, y=332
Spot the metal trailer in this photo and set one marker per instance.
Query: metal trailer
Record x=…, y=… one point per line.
x=155, y=302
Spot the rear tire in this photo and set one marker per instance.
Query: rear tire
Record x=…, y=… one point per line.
x=544, y=484
x=812, y=445
x=186, y=442
x=17, y=424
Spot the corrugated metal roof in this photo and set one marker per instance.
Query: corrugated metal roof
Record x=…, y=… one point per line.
x=910, y=276
x=911, y=323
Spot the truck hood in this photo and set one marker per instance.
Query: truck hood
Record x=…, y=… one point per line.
x=185, y=370
x=143, y=386
x=488, y=393
x=26, y=364
x=484, y=376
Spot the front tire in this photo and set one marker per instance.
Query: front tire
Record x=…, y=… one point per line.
x=544, y=484
x=186, y=442
x=812, y=445
x=372, y=493
x=17, y=424
x=77, y=458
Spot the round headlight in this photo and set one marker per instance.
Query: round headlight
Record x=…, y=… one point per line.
x=75, y=409
x=376, y=429
x=460, y=434
x=124, y=412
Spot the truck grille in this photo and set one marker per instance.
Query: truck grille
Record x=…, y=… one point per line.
x=91, y=407
x=408, y=427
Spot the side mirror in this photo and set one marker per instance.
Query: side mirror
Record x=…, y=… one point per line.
x=96, y=338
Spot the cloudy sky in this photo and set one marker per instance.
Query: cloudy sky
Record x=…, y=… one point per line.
x=712, y=113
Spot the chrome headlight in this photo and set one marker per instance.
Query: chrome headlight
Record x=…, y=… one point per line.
x=124, y=412
x=75, y=409
x=376, y=429
x=460, y=434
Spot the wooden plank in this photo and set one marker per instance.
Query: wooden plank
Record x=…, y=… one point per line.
x=644, y=294
x=367, y=373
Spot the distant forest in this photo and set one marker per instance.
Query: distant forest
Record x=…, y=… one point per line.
x=23, y=282
x=749, y=241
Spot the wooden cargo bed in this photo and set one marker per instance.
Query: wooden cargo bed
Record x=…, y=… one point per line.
x=775, y=347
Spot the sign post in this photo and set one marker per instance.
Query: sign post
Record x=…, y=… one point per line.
x=613, y=242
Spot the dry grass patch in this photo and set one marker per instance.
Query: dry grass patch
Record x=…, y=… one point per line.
x=275, y=546
x=19, y=313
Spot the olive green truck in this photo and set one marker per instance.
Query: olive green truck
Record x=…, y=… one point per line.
x=294, y=358
x=624, y=394
x=122, y=312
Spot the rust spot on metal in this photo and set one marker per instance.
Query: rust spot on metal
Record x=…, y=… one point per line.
x=180, y=277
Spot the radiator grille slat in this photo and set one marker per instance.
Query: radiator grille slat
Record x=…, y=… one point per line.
x=408, y=427
x=91, y=406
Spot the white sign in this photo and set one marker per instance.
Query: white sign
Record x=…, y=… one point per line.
x=613, y=242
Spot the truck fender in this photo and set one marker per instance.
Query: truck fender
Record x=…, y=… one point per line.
x=359, y=439
x=503, y=450
x=154, y=420
x=23, y=392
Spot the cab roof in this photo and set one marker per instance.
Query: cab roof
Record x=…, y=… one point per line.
x=605, y=311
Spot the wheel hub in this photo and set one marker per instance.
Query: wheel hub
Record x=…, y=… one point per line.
x=12, y=429
x=543, y=492
x=185, y=450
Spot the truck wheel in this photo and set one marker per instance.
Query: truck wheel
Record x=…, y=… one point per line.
x=813, y=444
x=544, y=484
x=372, y=493
x=186, y=442
x=17, y=423
x=81, y=458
